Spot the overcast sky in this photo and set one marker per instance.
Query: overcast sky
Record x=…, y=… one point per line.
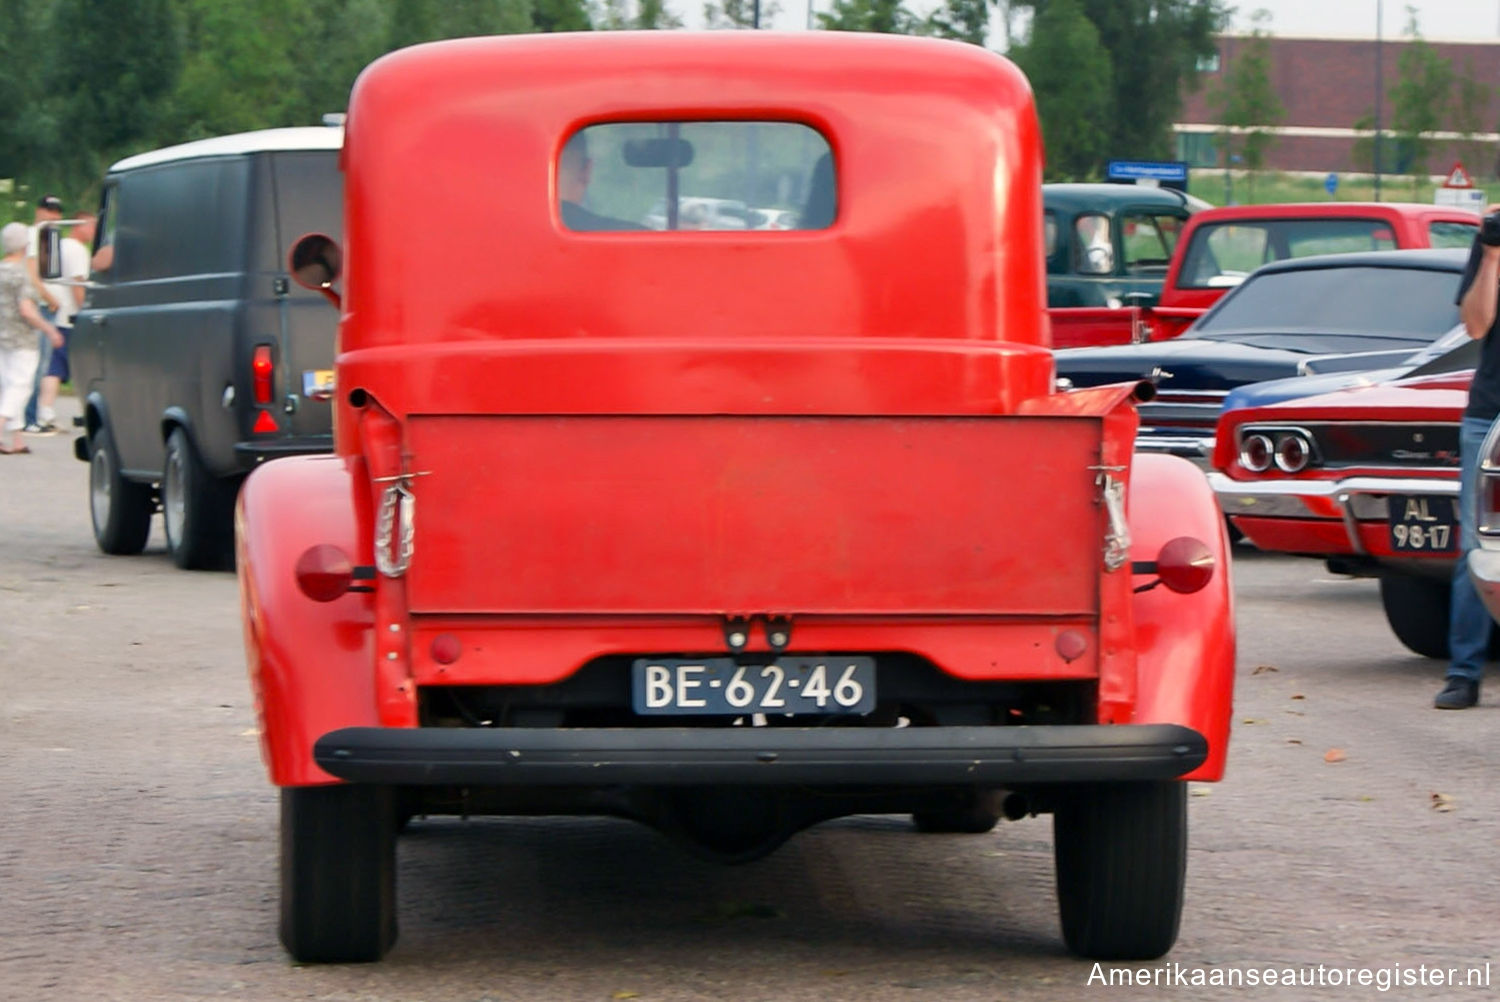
x=1439, y=19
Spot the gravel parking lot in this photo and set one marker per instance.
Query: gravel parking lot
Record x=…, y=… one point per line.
x=1356, y=829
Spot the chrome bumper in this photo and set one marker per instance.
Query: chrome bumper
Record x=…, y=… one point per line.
x=1484, y=571
x=1358, y=498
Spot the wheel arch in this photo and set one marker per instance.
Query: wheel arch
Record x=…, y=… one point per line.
x=311, y=664
x=1185, y=644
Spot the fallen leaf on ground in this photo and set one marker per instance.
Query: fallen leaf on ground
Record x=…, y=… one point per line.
x=1294, y=741
x=1251, y=720
x=1442, y=802
x=1298, y=695
x=1201, y=791
x=626, y=995
x=1261, y=669
x=1334, y=755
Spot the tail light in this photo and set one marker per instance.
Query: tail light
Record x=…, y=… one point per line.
x=1255, y=453
x=1184, y=564
x=1293, y=452
x=324, y=573
x=261, y=371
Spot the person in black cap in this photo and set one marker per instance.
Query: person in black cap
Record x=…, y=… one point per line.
x=574, y=171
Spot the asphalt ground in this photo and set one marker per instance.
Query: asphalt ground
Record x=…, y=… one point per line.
x=1358, y=829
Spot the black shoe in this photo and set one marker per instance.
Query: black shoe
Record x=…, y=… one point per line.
x=1459, y=694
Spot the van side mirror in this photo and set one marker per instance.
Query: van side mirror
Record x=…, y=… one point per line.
x=49, y=251
x=316, y=263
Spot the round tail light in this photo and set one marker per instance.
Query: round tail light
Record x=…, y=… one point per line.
x=324, y=572
x=1185, y=564
x=1255, y=453
x=1293, y=451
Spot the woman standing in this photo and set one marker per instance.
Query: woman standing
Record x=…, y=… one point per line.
x=19, y=318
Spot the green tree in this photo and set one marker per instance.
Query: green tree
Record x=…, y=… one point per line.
x=1070, y=74
x=1246, y=103
x=414, y=21
x=1154, y=48
x=961, y=20
x=739, y=13
x=651, y=14
x=1419, y=100
x=30, y=118
x=560, y=15
x=886, y=16
x=113, y=64
x=1471, y=101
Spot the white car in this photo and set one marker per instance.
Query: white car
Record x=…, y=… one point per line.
x=695, y=212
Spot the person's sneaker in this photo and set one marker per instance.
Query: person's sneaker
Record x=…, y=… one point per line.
x=40, y=429
x=1458, y=694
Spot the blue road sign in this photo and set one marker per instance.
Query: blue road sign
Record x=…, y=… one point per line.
x=1147, y=170
x=1331, y=183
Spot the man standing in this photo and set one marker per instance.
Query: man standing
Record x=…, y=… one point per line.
x=49, y=209
x=1469, y=625
x=75, y=271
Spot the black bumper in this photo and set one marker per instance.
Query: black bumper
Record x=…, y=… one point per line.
x=251, y=454
x=841, y=756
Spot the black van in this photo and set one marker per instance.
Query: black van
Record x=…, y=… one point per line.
x=195, y=357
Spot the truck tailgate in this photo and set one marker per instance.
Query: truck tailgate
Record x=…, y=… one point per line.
x=753, y=514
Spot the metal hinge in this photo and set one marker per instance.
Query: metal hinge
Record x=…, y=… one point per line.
x=1117, y=537
x=396, y=524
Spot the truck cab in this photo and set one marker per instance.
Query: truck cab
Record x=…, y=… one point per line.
x=725, y=531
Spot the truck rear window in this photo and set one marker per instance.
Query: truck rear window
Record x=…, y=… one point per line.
x=643, y=176
x=1222, y=254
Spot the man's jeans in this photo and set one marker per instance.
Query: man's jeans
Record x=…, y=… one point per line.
x=36, y=381
x=1469, y=623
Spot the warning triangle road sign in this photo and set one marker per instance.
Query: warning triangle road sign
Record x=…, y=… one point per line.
x=1458, y=178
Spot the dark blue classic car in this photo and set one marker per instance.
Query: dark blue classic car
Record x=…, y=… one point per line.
x=1339, y=313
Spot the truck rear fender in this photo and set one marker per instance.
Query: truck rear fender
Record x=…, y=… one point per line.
x=309, y=662
x=1185, y=643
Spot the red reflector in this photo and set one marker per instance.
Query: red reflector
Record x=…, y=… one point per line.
x=1071, y=645
x=324, y=572
x=446, y=648
x=264, y=422
x=261, y=371
x=1185, y=564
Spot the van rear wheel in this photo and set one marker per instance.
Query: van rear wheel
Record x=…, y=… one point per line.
x=120, y=508
x=197, y=509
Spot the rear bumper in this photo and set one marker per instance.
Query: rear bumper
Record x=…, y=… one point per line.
x=251, y=454
x=1484, y=570
x=1349, y=500
x=844, y=756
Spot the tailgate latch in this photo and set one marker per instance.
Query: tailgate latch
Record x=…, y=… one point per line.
x=1117, y=536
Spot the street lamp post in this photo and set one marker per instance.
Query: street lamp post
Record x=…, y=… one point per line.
x=1379, y=87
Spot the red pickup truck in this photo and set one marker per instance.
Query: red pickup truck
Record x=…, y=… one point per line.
x=725, y=531
x=1219, y=247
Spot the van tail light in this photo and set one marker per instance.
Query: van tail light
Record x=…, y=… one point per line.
x=1184, y=565
x=264, y=423
x=261, y=371
x=324, y=572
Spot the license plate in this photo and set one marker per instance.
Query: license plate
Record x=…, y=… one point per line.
x=1423, y=523
x=726, y=687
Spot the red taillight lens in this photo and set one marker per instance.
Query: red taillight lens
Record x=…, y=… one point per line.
x=261, y=371
x=324, y=573
x=264, y=423
x=1185, y=564
x=1255, y=453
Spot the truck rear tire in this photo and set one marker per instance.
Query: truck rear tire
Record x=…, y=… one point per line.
x=1121, y=852
x=120, y=508
x=1417, y=609
x=338, y=873
x=197, y=509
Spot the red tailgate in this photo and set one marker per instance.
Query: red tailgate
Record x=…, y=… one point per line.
x=747, y=514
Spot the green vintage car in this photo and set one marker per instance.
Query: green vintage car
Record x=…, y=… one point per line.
x=1109, y=244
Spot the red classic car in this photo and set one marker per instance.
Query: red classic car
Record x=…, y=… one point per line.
x=727, y=531
x=1365, y=478
x=1219, y=247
